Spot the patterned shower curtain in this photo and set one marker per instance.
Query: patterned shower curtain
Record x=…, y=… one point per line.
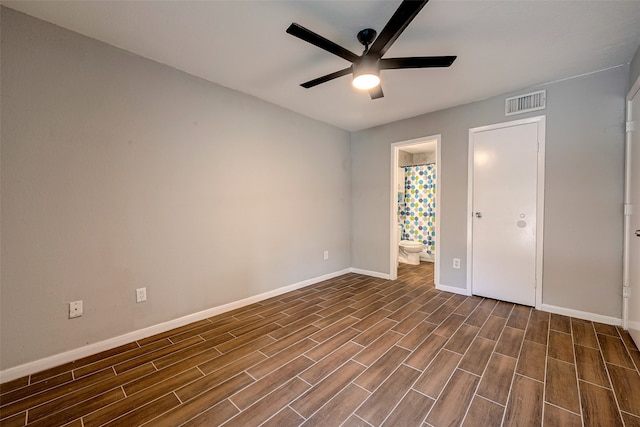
x=419, y=210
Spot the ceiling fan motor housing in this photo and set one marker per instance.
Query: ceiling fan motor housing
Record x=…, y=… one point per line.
x=366, y=72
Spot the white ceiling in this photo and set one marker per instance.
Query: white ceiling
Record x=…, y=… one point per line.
x=502, y=46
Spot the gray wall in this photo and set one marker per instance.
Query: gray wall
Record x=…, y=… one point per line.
x=118, y=172
x=583, y=192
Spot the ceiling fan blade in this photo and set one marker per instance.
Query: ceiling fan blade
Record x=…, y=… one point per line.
x=416, y=62
x=402, y=17
x=317, y=40
x=324, y=79
x=376, y=92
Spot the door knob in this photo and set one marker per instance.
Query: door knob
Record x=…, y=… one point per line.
x=637, y=233
x=479, y=215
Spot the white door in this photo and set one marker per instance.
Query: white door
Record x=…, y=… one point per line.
x=504, y=211
x=633, y=314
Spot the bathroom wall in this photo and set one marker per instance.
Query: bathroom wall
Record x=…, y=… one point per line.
x=413, y=159
x=405, y=158
x=424, y=158
x=118, y=172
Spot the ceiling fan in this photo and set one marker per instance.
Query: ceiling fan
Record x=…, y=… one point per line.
x=366, y=67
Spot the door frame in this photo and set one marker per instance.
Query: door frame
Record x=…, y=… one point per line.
x=541, y=122
x=626, y=261
x=393, y=217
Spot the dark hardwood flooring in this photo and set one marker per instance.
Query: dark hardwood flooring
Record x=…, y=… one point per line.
x=352, y=351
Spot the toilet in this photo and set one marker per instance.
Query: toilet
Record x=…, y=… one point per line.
x=409, y=252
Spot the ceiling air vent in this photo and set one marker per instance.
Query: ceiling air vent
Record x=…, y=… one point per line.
x=528, y=102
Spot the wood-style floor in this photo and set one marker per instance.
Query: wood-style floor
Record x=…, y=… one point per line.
x=353, y=351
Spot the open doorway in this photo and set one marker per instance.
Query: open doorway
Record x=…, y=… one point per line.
x=415, y=200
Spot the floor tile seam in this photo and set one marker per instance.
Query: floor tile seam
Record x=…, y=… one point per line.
x=629, y=413
x=624, y=342
x=456, y=331
x=71, y=369
x=57, y=410
x=254, y=403
x=423, y=340
x=619, y=366
x=288, y=406
x=210, y=374
x=353, y=413
x=444, y=387
x=562, y=361
x=308, y=337
x=575, y=369
x=563, y=409
x=410, y=388
x=327, y=401
x=379, y=357
x=173, y=340
x=28, y=396
x=358, y=417
x=28, y=383
x=156, y=359
x=156, y=383
x=486, y=366
x=113, y=365
x=546, y=367
x=189, y=357
x=388, y=375
x=508, y=315
x=331, y=372
x=398, y=321
x=334, y=324
x=596, y=385
x=71, y=391
x=370, y=327
x=504, y=406
x=130, y=411
x=606, y=367
x=561, y=332
x=609, y=335
x=329, y=354
x=515, y=370
x=269, y=357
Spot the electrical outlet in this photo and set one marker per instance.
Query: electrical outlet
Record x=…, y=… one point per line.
x=326, y=254
x=75, y=309
x=456, y=263
x=141, y=294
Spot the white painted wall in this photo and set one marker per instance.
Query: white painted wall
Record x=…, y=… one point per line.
x=118, y=172
x=583, y=196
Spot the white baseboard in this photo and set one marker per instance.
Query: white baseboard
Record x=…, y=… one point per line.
x=88, y=350
x=370, y=273
x=454, y=289
x=585, y=315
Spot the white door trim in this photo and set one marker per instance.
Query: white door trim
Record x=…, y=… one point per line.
x=626, y=262
x=540, y=120
x=393, y=217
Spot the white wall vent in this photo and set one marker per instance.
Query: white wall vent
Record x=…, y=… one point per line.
x=524, y=103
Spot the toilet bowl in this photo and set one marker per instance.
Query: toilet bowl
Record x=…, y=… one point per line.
x=409, y=252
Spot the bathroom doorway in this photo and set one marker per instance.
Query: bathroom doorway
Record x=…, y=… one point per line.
x=415, y=202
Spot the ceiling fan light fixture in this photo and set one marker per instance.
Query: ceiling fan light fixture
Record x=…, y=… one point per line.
x=366, y=81
x=366, y=74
